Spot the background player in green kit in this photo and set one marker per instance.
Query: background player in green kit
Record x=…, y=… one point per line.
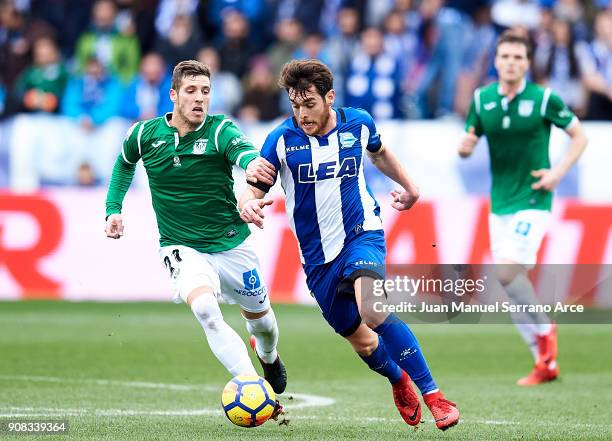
x=188, y=156
x=516, y=117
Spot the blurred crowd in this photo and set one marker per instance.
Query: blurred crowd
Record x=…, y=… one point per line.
x=94, y=59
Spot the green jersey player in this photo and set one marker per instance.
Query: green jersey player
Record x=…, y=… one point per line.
x=188, y=156
x=516, y=117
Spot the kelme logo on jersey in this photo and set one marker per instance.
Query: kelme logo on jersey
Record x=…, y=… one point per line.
x=176, y=162
x=347, y=140
x=525, y=107
x=327, y=170
x=252, y=284
x=199, y=147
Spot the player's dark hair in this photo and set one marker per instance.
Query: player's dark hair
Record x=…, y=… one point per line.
x=510, y=36
x=299, y=75
x=188, y=68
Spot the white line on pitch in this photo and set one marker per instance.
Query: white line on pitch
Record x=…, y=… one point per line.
x=307, y=400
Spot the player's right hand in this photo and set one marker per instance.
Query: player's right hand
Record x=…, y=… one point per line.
x=469, y=141
x=252, y=211
x=260, y=170
x=114, y=226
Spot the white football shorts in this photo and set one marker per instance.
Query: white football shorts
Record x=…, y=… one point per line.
x=234, y=275
x=517, y=237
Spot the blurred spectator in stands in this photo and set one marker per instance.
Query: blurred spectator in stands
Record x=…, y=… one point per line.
x=41, y=86
x=262, y=96
x=225, y=90
x=69, y=16
x=342, y=47
x=168, y=10
x=118, y=53
x=510, y=13
x=306, y=12
x=255, y=12
x=137, y=17
x=598, y=72
x=85, y=176
x=235, y=48
x=313, y=46
x=147, y=96
x=373, y=80
x=93, y=97
x=376, y=11
x=17, y=34
x=328, y=23
x=182, y=42
x=399, y=42
x=288, y=38
x=558, y=65
x=93, y=102
x=573, y=12
x=454, y=27
x=478, y=60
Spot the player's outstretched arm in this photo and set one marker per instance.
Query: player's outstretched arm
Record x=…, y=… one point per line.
x=251, y=206
x=548, y=179
x=468, y=143
x=114, y=226
x=387, y=162
x=121, y=179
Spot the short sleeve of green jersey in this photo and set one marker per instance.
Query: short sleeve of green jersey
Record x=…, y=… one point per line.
x=234, y=144
x=555, y=110
x=130, y=151
x=473, y=117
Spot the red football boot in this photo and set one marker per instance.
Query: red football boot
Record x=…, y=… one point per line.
x=545, y=369
x=445, y=412
x=406, y=400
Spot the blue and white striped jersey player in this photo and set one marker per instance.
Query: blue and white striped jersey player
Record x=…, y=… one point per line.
x=318, y=154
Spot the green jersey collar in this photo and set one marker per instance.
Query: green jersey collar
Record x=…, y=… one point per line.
x=168, y=117
x=518, y=92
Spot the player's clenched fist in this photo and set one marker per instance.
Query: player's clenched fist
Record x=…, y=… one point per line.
x=252, y=211
x=468, y=143
x=114, y=226
x=260, y=170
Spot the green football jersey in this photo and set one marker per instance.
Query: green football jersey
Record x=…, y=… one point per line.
x=190, y=178
x=518, y=134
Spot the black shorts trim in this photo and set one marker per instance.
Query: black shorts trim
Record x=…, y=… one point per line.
x=363, y=273
x=351, y=329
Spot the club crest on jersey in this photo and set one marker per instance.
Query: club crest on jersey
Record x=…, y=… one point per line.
x=199, y=146
x=176, y=162
x=347, y=140
x=327, y=170
x=525, y=107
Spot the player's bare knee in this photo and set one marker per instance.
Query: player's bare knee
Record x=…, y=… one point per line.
x=507, y=272
x=363, y=340
x=197, y=292
x=254, y=315
x=372, y=318
x=204, y=305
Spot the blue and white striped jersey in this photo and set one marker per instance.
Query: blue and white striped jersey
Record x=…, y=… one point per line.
x=327, y=198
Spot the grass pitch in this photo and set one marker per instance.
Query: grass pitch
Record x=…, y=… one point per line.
x=144, y=372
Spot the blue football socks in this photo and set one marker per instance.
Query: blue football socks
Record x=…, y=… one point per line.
x=403, y=348
x=379, y=361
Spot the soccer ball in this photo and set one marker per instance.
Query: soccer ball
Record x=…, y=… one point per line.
x=248, y=400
